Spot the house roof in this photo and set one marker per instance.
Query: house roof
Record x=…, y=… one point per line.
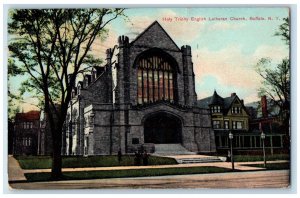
x=29, y=116
x=204, y=103
x=228, y=102
x=215, y=99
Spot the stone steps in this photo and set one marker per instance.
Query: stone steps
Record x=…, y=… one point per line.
x=184, y=156
x=199, y=160
x=171, y=149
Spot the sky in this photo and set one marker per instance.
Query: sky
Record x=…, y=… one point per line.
x=226, y=44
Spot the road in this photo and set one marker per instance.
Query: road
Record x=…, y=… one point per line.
x=253, y=179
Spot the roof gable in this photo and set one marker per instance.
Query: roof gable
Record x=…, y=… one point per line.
x=155, y=36
x=234, y=100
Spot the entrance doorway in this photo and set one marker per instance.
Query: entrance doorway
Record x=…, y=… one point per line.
x=162, y=128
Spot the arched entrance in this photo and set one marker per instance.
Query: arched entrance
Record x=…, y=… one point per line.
x=162, y=128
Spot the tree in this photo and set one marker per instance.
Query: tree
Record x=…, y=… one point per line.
x=52, y=47
x=276, y=81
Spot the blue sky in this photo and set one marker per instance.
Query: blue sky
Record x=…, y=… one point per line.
x=224, y=52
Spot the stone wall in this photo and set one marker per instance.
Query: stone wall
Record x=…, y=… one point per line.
x=111, y=131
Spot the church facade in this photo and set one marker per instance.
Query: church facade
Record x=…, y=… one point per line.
x=143, y=96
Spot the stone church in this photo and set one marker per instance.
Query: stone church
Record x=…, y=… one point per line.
x=143, y=97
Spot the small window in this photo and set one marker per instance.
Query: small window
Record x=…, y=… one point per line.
x=237, y=124
x=135, y=140
x=216, y=109
x=216, y=124
x=226, y=124
x=236, y=110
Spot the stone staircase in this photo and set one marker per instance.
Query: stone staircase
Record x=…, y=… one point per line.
x=184, y=156
x=200, y=159
x=171, y=149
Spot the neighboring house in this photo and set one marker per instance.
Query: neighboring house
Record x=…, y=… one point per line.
x=27, y=126
x=143, y=97
x=266, y=121
x=11, y=134
x=245, y=123
x=228, y=114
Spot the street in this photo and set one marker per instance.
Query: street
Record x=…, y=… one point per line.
x=253, y=179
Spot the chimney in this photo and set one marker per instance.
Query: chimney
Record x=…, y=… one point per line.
x=233, y=94
x=242, y=101
x=264, y=106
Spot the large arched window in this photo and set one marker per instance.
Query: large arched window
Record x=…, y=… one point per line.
x=156, y=75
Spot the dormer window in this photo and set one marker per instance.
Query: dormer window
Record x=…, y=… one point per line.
x=216, y=109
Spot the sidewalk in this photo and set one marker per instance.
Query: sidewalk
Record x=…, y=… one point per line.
x=15, y=172
x=238, y=166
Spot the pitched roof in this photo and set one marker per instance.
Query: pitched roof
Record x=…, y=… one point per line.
x=228, y=101
x=204, y=103
x=155, y=24
x=215, y=99
x=29, y=116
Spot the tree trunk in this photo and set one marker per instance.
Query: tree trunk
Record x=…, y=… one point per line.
x=56, y=173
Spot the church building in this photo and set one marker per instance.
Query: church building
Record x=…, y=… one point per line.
x=143, y=97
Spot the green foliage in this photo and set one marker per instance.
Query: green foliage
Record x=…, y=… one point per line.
x=273, y=166
x=253, y=158
x=48, y=45
x=284, y=31
x=276, y=83
x=44, y=162
x=127, y=173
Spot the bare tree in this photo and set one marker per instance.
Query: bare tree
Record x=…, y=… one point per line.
x=276, y=82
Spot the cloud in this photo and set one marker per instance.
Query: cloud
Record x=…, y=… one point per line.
x=232, y=69
x=99, y=46
x=137, y=25
x=224, y=26
x=209, y=83
x=276, y=53
x=183, y=31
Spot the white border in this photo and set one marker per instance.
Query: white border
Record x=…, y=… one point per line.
x=157, y=3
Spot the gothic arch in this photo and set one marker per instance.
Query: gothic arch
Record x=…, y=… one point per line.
x=156, y=76
x=162, y=128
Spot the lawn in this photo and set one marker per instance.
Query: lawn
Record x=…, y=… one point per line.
x=272, y=166
x=44, y=162
x=253, y=158
x=79, y=175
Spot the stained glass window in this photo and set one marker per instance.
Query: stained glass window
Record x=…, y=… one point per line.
x=155, y=78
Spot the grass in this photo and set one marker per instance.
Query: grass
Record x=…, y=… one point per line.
x=44, y=162
x=79, y=175
x=272, y=166
x=253, y=158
